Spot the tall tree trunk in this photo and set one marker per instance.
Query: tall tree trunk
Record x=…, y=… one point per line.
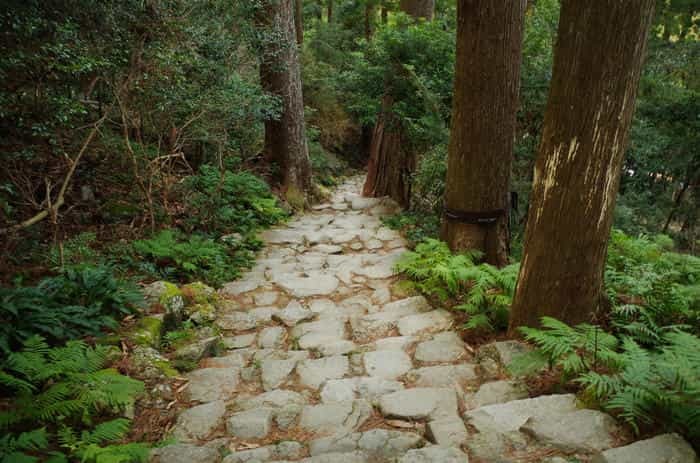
x=391, y=160
x=285, y=138
x=418, y=8
x=676, y=204
x=598, y=60
x=299, y=20
x=385, y=14
x=330, y=11
x=319, y=11
x=487, y=80
x=388, y=155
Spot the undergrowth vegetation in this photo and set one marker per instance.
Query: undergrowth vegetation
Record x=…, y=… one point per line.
x=66, y=405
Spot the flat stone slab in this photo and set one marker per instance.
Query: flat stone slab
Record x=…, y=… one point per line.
x=376, y=442
x=420, y=403
x=313, y=373
x=387, y=364
x=435, y=454
x=395, y=343
x=285, y=449
x=239, y=342
x=666, y=448
x=318, y=284
x=446, y=348
x=449, y=431
x=249, y=282
x=251, y=424
x=429, y=322
x=579, y=431
x=274, y=373
x=237, y=321
x=363, y=387
x=497, y=392
x=443, y=375
x=199, y=422
x=293, y=314
x=211, y=384
x=184, y=453
x=313, y=335
x=272, y=399
x=335, y=417
x=510, y=416
x=236, y=359
x=272, y=337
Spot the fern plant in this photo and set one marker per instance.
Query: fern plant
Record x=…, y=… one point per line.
x=74, y=304
x=654, y=385
x=484, y=291
x=573, y=349
x=68, y=391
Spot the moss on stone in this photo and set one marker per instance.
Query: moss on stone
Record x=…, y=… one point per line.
x=404, y=288
x=147, y=332
x=295, y=198
x=167, y=368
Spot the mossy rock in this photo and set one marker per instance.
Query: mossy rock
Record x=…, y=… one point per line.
x=202, y=314
x=198, y=293
x=295, y=198
x=184, y=366
x=109, y=340
x=147, y=331
x=404, y=288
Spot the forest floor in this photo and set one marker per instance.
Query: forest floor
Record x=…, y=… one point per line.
x=330, y=359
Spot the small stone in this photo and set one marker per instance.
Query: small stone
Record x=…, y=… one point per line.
x=238, y=358
x=388, y=364
x=198, y=350
x=500, y=352
x=199, y=422
x=184, y=453
x=450, y=431
x=419, y=403
x=666, y=448
x=313, y=373
x=275, y=373
x=251, y=424
x=263, y=314
x=272, y=337
x=210, y=384
x=293, y=314
x=429, y=322
x=434, y=454
x=239, y=342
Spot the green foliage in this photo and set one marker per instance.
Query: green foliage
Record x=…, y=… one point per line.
x=642, y=385
x=74, y=304
x=221, y=201
x=171, y=255
x=652, y=289
x=415, y=225
x=484, y=292
x=68, y=391
x=572, y=349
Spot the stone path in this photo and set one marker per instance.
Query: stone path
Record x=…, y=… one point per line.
x=329, y=361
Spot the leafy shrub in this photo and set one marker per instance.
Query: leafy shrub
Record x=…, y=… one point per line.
x=417, y=226
x=221, y=201
x=68, y=394
x=77, y=303
x=195, y=257
x=484, y=291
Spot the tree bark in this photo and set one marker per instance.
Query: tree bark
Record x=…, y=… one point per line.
x=330, y=11
x=280, y=75
x=598, y=60
x=391, y=160
x=299, y=20
x=485, y=102
x=369, y=10
x=385, y=14
x=390, y=163
x=418, y=9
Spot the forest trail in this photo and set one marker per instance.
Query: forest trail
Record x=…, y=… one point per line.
x=328, y=360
